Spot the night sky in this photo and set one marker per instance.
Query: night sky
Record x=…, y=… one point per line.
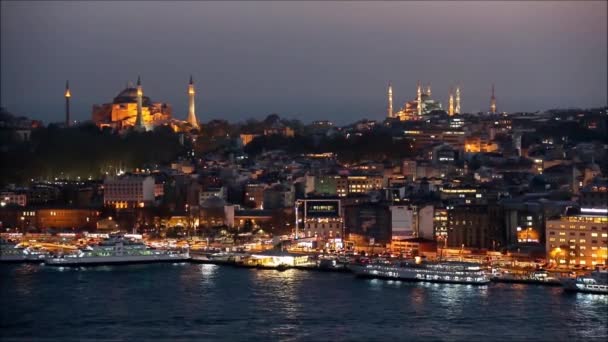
x=305, y=60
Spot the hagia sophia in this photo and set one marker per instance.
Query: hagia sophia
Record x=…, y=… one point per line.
x=131, y=109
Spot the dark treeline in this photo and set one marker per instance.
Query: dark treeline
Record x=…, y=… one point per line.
x=377, y=144
x=83, y=151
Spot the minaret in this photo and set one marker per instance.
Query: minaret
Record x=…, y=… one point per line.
x=390, y=100
x=457, y=109
x=451, y=104
x=191, y=113
x=139, y=121
x=67, y=95
x=428, y=90
x=419, y=98
x=493, y=102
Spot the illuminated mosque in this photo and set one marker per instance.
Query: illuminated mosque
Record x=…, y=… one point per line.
x=422, y=105
x=130, y=108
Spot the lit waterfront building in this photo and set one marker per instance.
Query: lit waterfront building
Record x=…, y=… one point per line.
x=130, y=191
x=578, y=239
x=322, y=218
x=131, y=108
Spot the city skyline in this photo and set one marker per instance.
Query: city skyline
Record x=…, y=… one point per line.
x=336, y=69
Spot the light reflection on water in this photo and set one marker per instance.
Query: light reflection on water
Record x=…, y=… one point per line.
x=208, y=302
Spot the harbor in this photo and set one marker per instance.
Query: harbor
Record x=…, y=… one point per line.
x=128, y=249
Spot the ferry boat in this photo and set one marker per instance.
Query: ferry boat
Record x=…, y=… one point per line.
x=11, y=252
x=116, y=250
x=596, y=282
x=537, y=277
x=435, y=272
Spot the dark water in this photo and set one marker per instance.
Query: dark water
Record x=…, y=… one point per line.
x=208, y=303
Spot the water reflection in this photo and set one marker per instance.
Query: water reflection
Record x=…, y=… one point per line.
x=208, y=302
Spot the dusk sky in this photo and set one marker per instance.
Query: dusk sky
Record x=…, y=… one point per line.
x=305, y=60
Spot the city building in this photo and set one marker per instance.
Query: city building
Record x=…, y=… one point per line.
x=594, y=195
x=578, y=238
x=13, y=198
x=475, y=227
x=209, y=191
x=368, y=222
x=130, y=191
x=321, y=218
x=66, y=218
x=254, y=195
x=278, y=196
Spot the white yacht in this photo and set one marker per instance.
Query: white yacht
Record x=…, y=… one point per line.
x=596, y=282
x=116, y=250
x=436, y=272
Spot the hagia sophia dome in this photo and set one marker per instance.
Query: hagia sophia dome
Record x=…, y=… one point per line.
x=129, y=95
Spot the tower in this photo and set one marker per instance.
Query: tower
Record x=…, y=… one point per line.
x=451, y=104
x=67, y=95
x=191, y=112
x=493, y=102
x=428, y=90
x=457, y=109
x=419, y=98
x=390, y=100
x=139, y=121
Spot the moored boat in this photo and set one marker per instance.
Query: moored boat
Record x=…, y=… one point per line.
x=596, y=282
x=116, y=250
x=435, y=272
x=537, y=277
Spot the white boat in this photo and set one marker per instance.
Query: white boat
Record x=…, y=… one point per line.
x=536, y=277
x=435, y=272
x=596, y=282
x=11, y=252
x=116, y=251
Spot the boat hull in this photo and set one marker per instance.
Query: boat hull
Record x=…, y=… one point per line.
x=409, y=279
x=527, y=281
x=124, y=260
x=412, y=275
x=13, y=259
x=570, y=285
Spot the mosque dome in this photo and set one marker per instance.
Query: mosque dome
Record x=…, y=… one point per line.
x=129, y=95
